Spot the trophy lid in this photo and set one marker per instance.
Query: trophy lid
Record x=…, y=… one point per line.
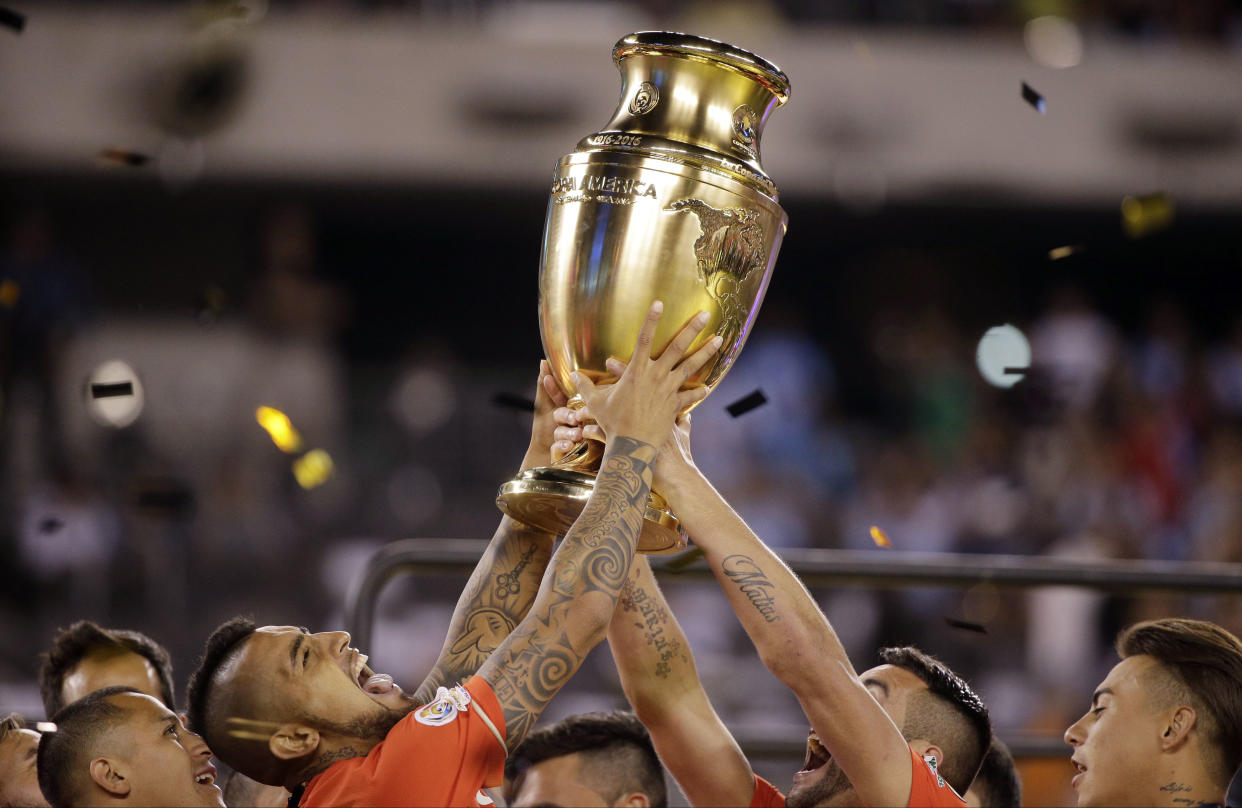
x=699, y=48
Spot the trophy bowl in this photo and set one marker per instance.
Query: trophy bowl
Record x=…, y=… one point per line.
x=667, y=202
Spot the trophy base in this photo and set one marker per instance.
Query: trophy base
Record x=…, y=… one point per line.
x=550, y=498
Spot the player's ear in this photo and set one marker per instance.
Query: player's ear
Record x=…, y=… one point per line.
x=107, y=774
x=633, y=800
x=292, y=741
x=933, y=754
x=1177, y=727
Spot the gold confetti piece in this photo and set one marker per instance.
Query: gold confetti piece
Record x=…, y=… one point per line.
x=1057, y=253
x=280, y=428
x=9, y=293
x=1147, y=214
x=313, y=468
x=880, y=537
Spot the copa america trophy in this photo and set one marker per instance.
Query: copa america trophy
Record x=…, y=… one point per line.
x=668, y=201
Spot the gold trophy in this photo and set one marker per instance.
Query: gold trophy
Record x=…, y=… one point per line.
x=668, y=201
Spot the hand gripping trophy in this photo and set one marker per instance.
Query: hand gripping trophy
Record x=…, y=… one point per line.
x=668, y=201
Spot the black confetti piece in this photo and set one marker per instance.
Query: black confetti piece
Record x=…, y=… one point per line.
x=1014, y=371
x=50, y=524
x=123, y=157
x=169, y=500
x=1033, y=98
x=965, y=626
x=112, y=390
x=511, y=401
x=747, y=403
x=11, y=19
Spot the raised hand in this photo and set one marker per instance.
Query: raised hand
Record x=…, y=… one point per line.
x=549, y=399
x=648, y=394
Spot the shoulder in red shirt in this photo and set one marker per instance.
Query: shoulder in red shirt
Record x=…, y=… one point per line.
x=442, y=753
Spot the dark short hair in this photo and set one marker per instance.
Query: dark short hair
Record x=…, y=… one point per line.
x=11, y=723
x=64, y=753
x=83, y=638
x=1204, y=662
x=997, y=784
x=951, y=716
x=220, y=646
x=618, y=757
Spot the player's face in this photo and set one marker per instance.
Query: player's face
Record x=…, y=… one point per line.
x=19, y=779
x=1117, y=742
x=165, y=763
x=322, y=676
x=108, y=669
x=821, y=781
x=556, y=783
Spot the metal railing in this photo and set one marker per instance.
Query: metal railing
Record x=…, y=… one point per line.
x=879, y=568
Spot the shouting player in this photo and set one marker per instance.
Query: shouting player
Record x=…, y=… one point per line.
x=908, y=732
x=287, y=707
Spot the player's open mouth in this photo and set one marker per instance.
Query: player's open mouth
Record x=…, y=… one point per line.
x=816, y=755
x=372, y=683
x=206, y=777
x=1080, y=768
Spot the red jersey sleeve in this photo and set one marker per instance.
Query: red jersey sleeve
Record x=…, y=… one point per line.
x=766, y=795
x=439, y=754
x=927, y=788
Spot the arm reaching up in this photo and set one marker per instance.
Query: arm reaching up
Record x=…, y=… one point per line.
x=662, y=685
x=793, y=637
x=503, y=585
x=579, y=592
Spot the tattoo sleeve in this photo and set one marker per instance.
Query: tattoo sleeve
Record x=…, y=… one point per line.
x=579, y=593
x=496, y=598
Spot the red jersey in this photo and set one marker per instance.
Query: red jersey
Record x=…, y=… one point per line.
x=442, y=753
x=927, y=789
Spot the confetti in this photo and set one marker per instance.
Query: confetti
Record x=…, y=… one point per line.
x=1147, y=214
x=747, y=403
x=280, y=428
x=123, y=157
x=965, y=626
x=313, y=468
x=1033, y=98
x=1057, y=253
x=44, y=726
x=112, y=389
x=9, y=293
x=511, y=401
x=11, y=19
x=880, y=537
x=50, y=524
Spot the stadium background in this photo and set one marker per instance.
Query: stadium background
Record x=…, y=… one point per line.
x=334, y=209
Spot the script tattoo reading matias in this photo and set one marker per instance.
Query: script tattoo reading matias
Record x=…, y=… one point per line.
x=653, y=620
x=753, y=583
x=595, y=557
x=487, y=612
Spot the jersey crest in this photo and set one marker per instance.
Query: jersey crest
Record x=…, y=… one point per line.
x=444, y=707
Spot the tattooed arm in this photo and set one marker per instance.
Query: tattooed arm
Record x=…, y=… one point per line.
x=793, y=637
x=662, y=684
x=496, y=598
x=579, y=592
x=503, y=586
